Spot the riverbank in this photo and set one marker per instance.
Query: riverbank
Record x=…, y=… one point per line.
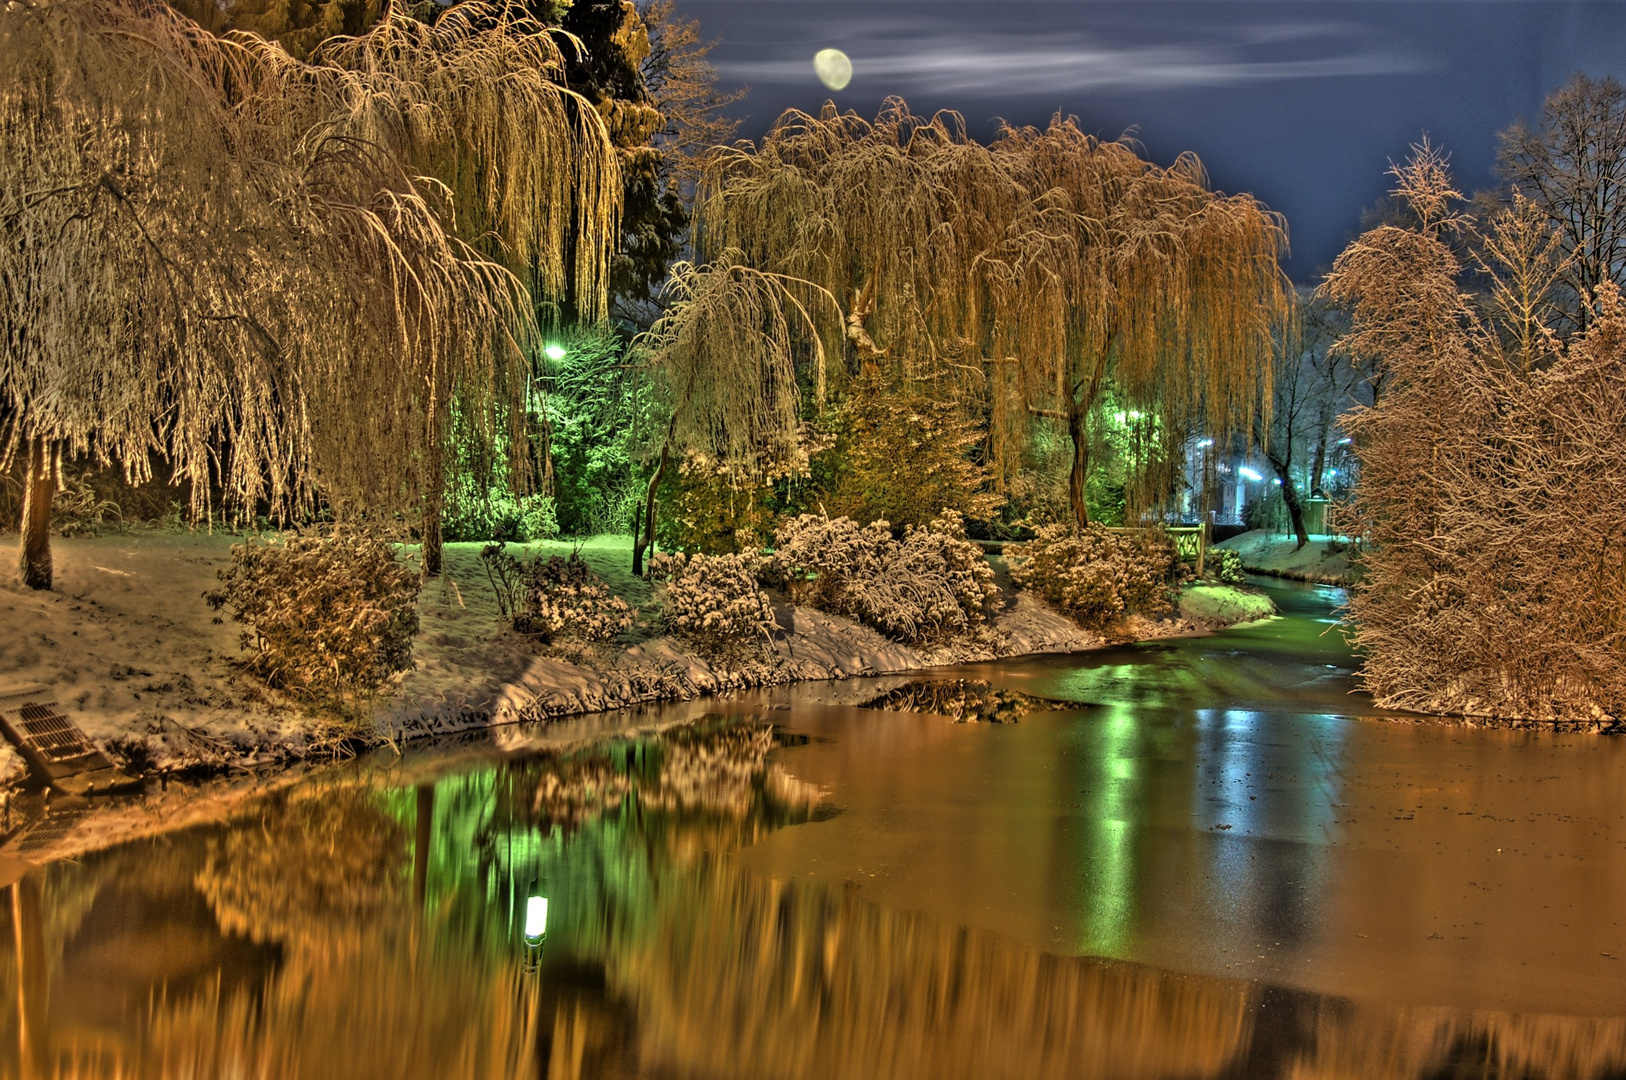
x=131, y=653
x=1325, y=560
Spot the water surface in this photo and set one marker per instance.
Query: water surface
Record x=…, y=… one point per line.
x=1217, y=863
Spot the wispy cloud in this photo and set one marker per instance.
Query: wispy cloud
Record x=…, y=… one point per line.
x=1029, y=63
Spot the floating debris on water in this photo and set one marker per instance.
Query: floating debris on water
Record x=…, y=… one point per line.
x=966, y=701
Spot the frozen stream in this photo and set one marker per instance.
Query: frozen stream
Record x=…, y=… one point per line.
x=1218, y=864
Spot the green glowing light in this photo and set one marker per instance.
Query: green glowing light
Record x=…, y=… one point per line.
x=554, y=351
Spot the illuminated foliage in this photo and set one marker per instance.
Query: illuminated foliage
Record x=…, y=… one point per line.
x=905, y=456
x=247, y=263
x=1024, y=274
x=327, y=617
x=1483, y=482
x=1098, y=576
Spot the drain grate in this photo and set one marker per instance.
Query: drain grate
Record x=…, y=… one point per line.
x=53, y=734
x=54, y=747
x=47, y=833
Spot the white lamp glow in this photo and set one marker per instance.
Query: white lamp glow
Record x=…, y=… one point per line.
x=536, y=919
x=554, y=351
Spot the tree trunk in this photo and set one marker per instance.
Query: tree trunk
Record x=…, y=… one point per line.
x=647, y=540
x=1081, y=465
x=38, y=492
x=1295, y=509
x=432, y=505
x=434, y=496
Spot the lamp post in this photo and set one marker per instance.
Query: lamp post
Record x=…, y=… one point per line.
x=535, y=931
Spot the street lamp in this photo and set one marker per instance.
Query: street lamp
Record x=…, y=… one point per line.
x=554, y=351
x=535, y=931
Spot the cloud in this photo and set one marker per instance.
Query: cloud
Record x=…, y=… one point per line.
x=1029, y=63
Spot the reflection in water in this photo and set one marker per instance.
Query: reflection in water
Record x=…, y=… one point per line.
x=377, y=928
x=965, y=700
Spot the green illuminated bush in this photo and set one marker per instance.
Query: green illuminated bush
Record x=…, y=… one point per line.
x=598, y=404
x=1095, y=575
x=1227, y=565
x=323, y=616
x=499, y=515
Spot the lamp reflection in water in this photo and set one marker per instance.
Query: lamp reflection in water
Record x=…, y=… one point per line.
x=535, y=932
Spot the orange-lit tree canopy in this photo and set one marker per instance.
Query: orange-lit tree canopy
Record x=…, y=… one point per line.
x=252, y=265
x=1025, y=274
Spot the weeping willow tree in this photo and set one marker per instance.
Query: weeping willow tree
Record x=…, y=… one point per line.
x=1022, y=277
x=724, y=361
x=260, y=268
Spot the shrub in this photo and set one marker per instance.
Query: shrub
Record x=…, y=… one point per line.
x=1228, y=565
x=702, y=509
x=714, y=600
x=932, y=583
x=325, y=616
x=555, y=597
x=903, y=454
x=78, y=510
x=470, y=514
x=1097, y=575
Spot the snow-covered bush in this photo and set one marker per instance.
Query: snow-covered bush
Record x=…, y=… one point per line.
x=932, y=583
x=1096, y=575
x=555, y=597
x=713, y=600
x=1227, y=566
x=326, y=616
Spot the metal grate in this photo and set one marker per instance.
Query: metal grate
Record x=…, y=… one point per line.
x=48, y=832
x=52, y=734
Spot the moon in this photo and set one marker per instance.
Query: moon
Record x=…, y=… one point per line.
x=833, y=68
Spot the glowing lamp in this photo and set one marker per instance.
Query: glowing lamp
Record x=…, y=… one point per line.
x=1249, y=473
x=1206, y=442
x=536, y=920
x=555, y=352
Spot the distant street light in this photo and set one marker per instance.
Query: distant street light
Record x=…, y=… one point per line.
x=554, y=352
x=1248, y=473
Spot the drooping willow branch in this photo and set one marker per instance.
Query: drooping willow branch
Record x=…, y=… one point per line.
x=1020, y=277
x=724, y=359
x=280, y=275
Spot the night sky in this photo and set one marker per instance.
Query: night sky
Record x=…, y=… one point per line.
x=1303, y=104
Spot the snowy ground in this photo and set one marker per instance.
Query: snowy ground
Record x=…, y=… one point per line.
x=1266, y=552
x=133, y=654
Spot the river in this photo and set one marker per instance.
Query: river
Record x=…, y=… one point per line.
x=1201, y=857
